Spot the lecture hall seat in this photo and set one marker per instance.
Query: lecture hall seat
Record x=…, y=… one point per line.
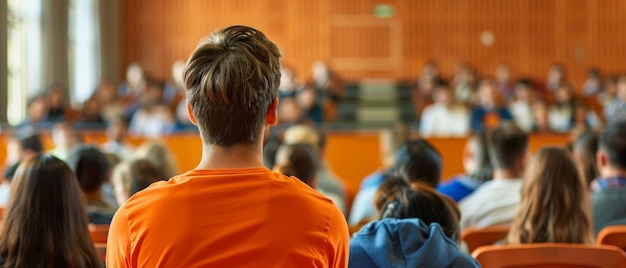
x=613, y=235
x=99, y=232
x=553, y=255
x=476, y=237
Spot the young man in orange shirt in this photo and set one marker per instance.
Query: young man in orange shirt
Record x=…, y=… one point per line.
x=230, y=211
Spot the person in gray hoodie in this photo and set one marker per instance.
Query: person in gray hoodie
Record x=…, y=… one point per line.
x=417, y=228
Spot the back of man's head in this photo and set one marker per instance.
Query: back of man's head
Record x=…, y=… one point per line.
x=507, y=144
x=232, y=79
x=418, y=161
x=613, y=144
x=31, y=144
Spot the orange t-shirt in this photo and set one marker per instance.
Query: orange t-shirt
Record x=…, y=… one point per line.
x=249, y=217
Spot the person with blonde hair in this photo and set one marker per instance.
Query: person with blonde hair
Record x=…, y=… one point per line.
x=327, y=183
x=130, y=177
x=160, y=156
x=555, y=204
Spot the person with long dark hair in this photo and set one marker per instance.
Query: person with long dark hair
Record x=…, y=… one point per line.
x=45, y=221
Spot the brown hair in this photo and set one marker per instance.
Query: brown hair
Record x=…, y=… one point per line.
x=232, y=77
x=555, y=202
x=507, y=143
x=299, y=160
x=130, y=177
x=585, y=149
x=396, y=199
x=46, y=221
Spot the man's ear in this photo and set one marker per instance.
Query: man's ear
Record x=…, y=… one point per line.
x=190, y=114
x=601, y=159
x=271, y=118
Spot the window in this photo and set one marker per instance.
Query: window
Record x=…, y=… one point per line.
x=24, y=56
x=84, y=50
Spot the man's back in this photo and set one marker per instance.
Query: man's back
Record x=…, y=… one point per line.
x=495, y=202
x=608, y=207
x=228, y=218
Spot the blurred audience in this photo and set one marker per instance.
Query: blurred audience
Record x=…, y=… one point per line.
x=477, y=167
x=521, y=104
x=444, y=109
x=117, y=140
x=328, y=183
x=299, y=160
x=555, y=202
x=92, y=171
x=19, y=148
x=160, y=156
x=132, y=176
x=616, y=110
x=65, y=140
x=489, y=110
x=584, y=151
x=153, y=118
x=496, y=201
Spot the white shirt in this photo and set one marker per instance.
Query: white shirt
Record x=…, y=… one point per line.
x=523, y=115
x=494, y=202
x=439, y=120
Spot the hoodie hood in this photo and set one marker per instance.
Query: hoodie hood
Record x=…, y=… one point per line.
x=405, y=243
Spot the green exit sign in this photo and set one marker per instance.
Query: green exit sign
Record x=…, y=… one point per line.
x=384, y=11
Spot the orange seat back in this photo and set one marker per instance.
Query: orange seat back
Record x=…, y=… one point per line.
x=551, y=255
x=476, y=237
x=99, y=232
x=613, y=235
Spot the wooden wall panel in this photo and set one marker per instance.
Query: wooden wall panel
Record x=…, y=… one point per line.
x=530, y=35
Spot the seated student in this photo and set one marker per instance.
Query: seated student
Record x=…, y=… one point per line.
x=130, y=177
x=92, y=171
x=616, y=109
x=416, y=160
x=477, y=169
x=489, y=111
x=555, y=202
x=561, y=113
x=299, y=160
x=608, y=198
x=18, y=149
x=417, y=228
x=390, y=141
x=496, y=201
x=153, y=118
x=521, y=105
x=45, y=222
x=585, y=150
x=160, y=156
x=117, y=140
x=328, y=183
x=65, y=140
x=455, y=116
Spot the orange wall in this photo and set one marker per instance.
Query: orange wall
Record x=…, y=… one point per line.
x=529, y=34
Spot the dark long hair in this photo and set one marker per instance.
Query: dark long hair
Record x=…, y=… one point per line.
x=45, y=221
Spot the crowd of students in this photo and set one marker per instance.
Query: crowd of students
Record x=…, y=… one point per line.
x=259, y=200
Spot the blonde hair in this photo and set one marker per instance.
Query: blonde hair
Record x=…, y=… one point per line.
x=159, y=155
x=555, y=202
x=130, y=177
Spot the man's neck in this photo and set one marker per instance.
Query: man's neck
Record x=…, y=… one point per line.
x=501, y=174
x=611, y=172
x=236, y=156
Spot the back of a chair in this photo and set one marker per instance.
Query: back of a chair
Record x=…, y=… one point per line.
x=476, y=237
x=613, y=235
x=99, y=232
x=550, y=255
